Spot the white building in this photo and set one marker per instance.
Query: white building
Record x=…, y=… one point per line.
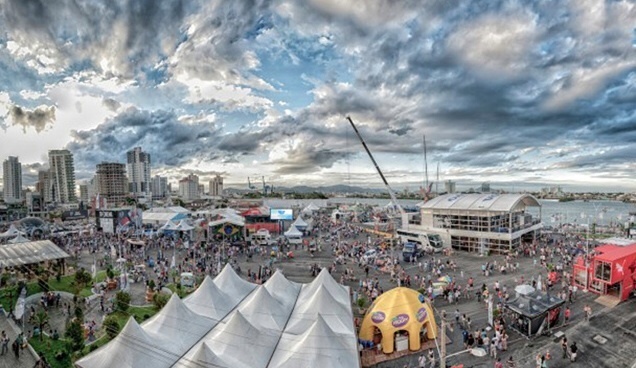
x=159, y=187
x=62, y=176
x=216, y=186
x=87, y=191
x=189, y=188
x=12, y=180
x=477, y=222
x=138, y=168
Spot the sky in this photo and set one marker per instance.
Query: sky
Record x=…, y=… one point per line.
x=526, y=92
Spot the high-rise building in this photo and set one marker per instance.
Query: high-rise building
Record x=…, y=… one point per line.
x=159, y=187
x=62, y=176
x=138, y=168
x=43, y=186
x=485, y=187
x=450, y=186
x=111, y=182
x=12, y=180
x=189, y=188
x=216, y=186
x=87, y=191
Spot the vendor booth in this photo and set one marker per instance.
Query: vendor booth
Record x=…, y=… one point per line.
x=399, y=320
x=294, y=235
x=300, y=224
x=534, y=312
x=610, y=269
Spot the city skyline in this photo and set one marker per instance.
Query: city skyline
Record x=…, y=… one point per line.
x=505, y=92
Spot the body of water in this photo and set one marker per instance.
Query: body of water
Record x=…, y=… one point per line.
x=552, y=212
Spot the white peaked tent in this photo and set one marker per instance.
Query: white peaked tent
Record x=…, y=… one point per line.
x=204, y=357
x=19, y=239
x=241, y=344
x=317, y=347
x=310, y=208
x=184, y=226
x=283, y=290
x=336, y=315
x=339, y=292
x=176, y=328
x=263, y=311
x=11, y=232
x=132, y=348
x=300, y=224
x=208, y=300
x=169, y=225
x=293, y=232
x=233, y=285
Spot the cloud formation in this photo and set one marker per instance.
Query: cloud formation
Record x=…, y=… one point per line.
x=502, y=90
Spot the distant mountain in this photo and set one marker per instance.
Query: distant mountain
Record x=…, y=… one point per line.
x=322, y=189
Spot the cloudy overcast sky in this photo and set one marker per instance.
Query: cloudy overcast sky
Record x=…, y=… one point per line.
x=505, y=91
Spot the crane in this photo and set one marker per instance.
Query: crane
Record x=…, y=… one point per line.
x=386, y=183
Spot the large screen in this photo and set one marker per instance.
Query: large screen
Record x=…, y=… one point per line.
x=281, y=214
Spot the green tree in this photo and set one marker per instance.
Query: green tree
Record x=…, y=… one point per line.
x=82, y=279
x=111, y=326
x=75, y=333
x=41, y=319
x=122, y=300
x=160, y=300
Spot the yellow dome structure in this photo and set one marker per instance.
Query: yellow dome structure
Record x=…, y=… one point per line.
x=398, y=310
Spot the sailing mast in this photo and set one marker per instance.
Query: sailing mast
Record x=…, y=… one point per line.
x=425, y=162
x=437, y=181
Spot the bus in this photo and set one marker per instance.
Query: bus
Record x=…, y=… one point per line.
x=428, y=242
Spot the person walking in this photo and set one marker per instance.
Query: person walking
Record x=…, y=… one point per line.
x=573, y=350
x=4, y=340
x=564, y=346
x=421, y=361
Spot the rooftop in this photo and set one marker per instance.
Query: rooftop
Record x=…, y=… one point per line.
x=481, y=202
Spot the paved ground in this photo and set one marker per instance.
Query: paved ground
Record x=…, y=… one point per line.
x=617, y=325
x=8, y=360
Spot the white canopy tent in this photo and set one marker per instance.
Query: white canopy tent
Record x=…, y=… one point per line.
x=300, y=224
x=311, y=208
x=169, y=225
x=184, y=226
x=19, y=239
x=209, y=300
x=293, y=232
x=11, y=232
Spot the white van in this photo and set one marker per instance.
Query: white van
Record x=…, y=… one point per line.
x=429, y=242
x=261, y=238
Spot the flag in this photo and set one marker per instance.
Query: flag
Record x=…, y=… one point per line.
x=94, y=268
x=113, y=251
x=173, y=263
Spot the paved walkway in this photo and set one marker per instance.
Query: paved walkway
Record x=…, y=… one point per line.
x=26, y=359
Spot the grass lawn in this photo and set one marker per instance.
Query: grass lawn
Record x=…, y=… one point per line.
x=48, y=347
x=138, y=312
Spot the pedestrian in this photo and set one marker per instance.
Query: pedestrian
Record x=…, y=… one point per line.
x=16, y=348
x=588, y=312
x=567, y=315
x=4, y=339
x=431, y=358
x=498, y=363
x=573, y=350
x=564, y=346
x=421, y=361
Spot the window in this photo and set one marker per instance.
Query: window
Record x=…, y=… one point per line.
x=603, y=271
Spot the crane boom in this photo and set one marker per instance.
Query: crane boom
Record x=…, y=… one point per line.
x=386, y=183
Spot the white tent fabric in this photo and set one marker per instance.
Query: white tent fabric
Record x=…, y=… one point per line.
x=310, y=208
x=235, y=287
x=317, y=347
x=30, y=252
x=19, y=239
x=524, y=289
x=300, y=223
x=132, y=348
x=263, y=311
x=283, y=290
x=169, y=225
x=241, y=344
x=309, y=306
x=293, y=232
x=176, y=328
x=184, y=226
x=260, y=327
x=339, y=292
x=11, y=232
x=208, y=300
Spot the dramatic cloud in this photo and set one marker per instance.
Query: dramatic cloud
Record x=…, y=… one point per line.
x=504, y=91
x=38, y=118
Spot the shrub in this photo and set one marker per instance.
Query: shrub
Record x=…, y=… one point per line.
x=111, y=326
x=122, y=300
x=160, y=300
x=75, y=333
x=146, y=316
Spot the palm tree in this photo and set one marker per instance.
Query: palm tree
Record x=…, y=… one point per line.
x=41, y=319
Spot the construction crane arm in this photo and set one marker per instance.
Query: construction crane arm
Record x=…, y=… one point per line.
x=386, y=183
